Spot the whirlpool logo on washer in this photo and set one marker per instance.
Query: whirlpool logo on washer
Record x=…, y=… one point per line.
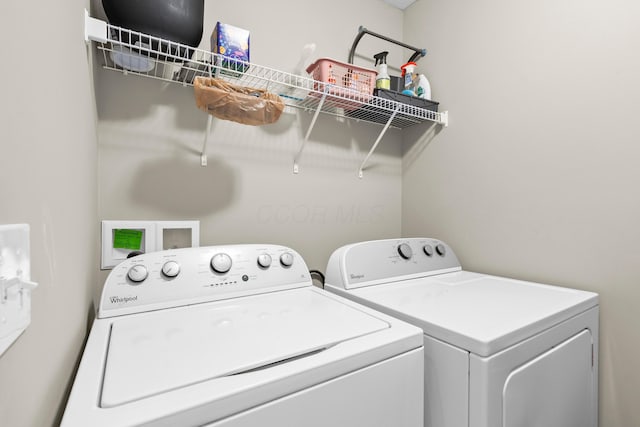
x=123, y=300
x=356, y=276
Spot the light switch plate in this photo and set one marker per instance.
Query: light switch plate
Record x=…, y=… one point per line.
x=15, y=283
x=177, y=234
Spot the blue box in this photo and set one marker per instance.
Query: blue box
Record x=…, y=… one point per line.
x=233, y=43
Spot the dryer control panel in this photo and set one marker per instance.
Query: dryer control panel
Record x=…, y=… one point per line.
x=380, y=261
x=179, y=277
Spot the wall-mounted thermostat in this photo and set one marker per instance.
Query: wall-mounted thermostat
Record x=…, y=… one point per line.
x=122, y=239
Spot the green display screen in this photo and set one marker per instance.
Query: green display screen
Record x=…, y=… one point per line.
x=127, y=239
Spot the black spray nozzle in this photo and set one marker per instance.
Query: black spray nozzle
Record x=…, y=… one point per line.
x=381, y=58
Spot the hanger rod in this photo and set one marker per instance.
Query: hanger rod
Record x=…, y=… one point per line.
x=362, y=31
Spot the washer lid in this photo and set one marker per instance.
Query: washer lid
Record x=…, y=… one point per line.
x=156, y=352
x=480, y=313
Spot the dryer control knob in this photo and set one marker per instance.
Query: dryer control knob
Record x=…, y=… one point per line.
x=428, y=250
x=137, y=273
x=171, y=269
x=264, y=260
x=441, y=249
x=221, y=263
x=405, y=251
x=286, y=259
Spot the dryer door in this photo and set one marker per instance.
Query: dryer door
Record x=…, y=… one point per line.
x=553, y=390
x=548, y=380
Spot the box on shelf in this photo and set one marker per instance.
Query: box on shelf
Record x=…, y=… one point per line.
x=342, y=80
x=232, y=45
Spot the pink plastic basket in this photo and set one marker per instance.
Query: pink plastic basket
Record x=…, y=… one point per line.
x=343, y=80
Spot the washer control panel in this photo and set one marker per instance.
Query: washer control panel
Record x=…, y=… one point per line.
x=180, y=277
x=380, y=261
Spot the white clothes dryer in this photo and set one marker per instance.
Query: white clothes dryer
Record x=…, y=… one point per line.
x=498, y=352
x=237, y=336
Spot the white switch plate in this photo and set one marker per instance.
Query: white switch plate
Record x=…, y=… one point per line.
x=152, y=237
x=190, y=238
x=15, y=283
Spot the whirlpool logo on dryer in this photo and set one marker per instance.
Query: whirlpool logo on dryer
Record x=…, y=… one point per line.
x=123, y=300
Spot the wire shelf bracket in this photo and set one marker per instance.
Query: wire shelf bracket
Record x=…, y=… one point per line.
x=375, y=144
x=296, y=159
x=203, y=152
x=94, y=29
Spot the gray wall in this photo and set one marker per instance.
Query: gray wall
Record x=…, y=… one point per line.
x=537, y=175
x=48, y=180
x=150, y=134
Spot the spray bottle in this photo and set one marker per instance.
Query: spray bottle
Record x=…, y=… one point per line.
x=383, y=81
x=423, y=88
x=408, y=77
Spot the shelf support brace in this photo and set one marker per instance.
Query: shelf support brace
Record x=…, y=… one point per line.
x=375, y=144
x=296, y=168
x=203, y=153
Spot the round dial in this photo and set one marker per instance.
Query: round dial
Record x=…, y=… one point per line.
x=137, y=273
x=405, y=251
x=441, y=249
x=264, y=260
x=221, y=263
x=171, y=269
x=428, y=250
x=286, y=259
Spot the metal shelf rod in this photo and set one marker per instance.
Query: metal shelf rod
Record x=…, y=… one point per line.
x=362, y=31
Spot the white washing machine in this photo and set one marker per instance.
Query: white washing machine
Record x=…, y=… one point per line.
x=237, y=336
x=498, y=352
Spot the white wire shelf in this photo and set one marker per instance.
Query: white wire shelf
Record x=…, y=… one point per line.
x=136, y=53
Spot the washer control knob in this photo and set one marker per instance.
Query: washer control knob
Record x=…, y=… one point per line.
x=428, y=250
x=171, y=269
x=286, y=259
x=221, y=263
x=405, y=251
x=137, y=273
x=264, y=260
x=441, y=249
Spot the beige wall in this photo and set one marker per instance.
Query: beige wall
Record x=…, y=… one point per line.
x=537, y=175
x=48, y=180
x=150, y=135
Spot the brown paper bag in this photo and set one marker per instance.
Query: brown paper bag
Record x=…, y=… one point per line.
x=237, y=103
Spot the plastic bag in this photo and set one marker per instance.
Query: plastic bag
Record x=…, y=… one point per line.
x=240, y=104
